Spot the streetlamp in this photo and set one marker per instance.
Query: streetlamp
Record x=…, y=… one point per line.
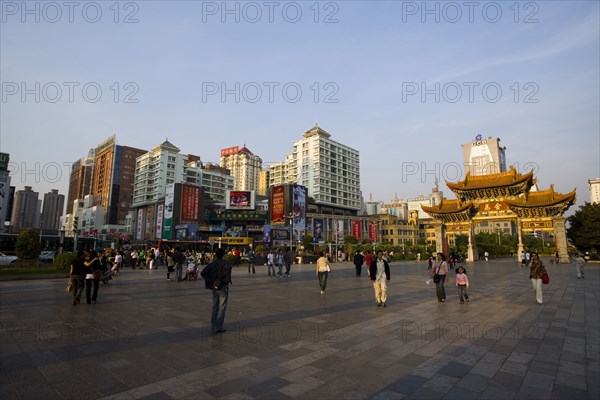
x=290, y=217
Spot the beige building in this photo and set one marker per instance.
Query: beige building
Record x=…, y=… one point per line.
x=594, y=190
x=244, y=166
x=484, y=156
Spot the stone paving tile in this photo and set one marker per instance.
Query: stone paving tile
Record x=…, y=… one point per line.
x=285, y=341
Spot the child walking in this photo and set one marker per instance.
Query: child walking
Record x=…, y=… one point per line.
x=462, y=283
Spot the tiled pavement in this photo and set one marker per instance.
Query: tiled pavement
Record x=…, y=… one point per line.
x=150, y=338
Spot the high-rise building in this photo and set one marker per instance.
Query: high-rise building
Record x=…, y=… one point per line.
x=244, y=166
x=216, y=181
x=4, y=190
x=52, y=210
x=594, y=185
x=263, y=182
x=328, y=169
x=159, y=167
x=25, y=209
x=113, y=179
x=80, y=181
x=484, y=156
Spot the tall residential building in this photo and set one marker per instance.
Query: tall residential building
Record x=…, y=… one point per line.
x=80, y=181
x=216, y=181
x=159, y=167
x=263, y=182
x=484, y=156
x=328, y=169
x=244, y=166
x=52, y=210
x=594, y=190
x=25, y=209
x=4, y=190
x=113, y=178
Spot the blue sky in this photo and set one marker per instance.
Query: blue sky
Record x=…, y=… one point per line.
x=369, y=56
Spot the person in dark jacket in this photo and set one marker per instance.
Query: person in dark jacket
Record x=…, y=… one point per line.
x=219, y=277
x=379, y=271
x=359, y=260
x=77, y=277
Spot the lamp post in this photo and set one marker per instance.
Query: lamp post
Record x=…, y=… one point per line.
x=290, y=217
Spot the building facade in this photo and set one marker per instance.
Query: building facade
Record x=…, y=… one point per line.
x=161, y=166
x=328, y=169
x=25, y=209
x=80, y=180
x=5, y=191
x=484, y=156
x=244, y=167
x=594, y=186
x=113, y=179
x=52, y=210
x=216, y=181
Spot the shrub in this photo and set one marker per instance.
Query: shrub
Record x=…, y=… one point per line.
x=63, y=261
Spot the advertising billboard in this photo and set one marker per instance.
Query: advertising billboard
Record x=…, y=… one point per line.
x=299, y=211
x=317, y=229
x=190, y=204
x=159, y=221
x=229, y=151
x=240, y=200
x=139, y=224
x=373, y=232
x=167, y=228
x=278, y=205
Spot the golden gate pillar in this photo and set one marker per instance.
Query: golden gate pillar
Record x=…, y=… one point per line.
x=440, y=237
x=520, y=248
x=560, y=237
x=472, y=254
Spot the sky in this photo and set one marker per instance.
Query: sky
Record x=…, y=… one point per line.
x=405, y=83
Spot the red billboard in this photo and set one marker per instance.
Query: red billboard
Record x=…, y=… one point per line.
x=190, y=204
x=278, y=205
x=356, y=230
x=229, y=151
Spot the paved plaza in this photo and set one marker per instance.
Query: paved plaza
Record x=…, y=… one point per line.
x=149, y=338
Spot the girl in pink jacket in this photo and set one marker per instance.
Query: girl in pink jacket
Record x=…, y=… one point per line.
x=462, y=283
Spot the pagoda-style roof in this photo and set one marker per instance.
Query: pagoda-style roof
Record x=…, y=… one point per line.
x=503, y=184
x=166, y=146
x=450, y=210
x=316, y=130
x=543, y=203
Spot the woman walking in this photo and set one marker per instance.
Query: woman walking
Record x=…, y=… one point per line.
x=92, y=277
x=537, y=271
x=322, y=271
x=439, y=272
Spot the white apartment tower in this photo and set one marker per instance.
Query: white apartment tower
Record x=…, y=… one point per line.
x=244, y=166
x=594, y=185
x=328, y=169
x=162, y=165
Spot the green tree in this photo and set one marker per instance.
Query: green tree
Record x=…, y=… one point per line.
x=307, y=242
x=28, y=244
x=583, y=230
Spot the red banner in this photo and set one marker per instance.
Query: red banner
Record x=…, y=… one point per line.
x=278, y=205
x=356, y=231
x=373, y=232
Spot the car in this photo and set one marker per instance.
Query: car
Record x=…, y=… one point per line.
x=7, y=260
x=47, y=256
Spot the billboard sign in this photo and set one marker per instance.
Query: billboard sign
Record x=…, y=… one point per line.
x=167, y=228
x=278, y=205
x=190, y=204
x=356, y=230
x=240, y=200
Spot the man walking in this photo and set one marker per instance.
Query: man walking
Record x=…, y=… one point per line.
x=217, y=275
x=271, y=263
x=287, y=259
x=178, y=259
x=379, y=271
x=359, y=259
